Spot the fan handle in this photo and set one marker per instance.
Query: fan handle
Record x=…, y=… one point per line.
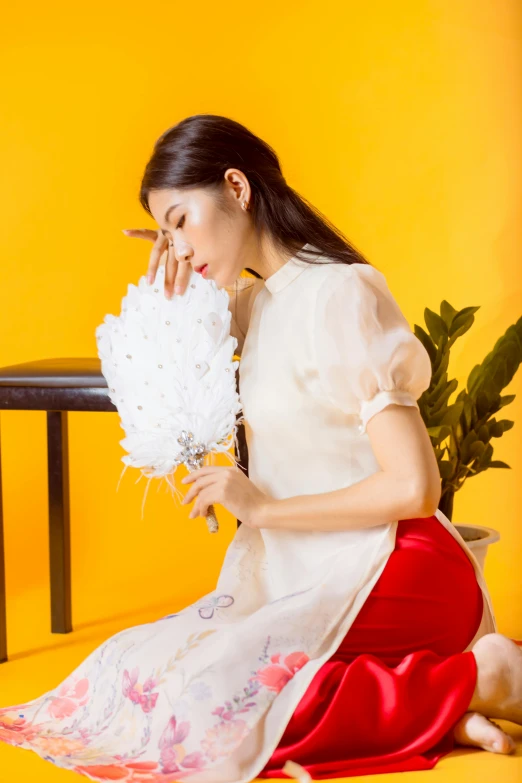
x=212, y=523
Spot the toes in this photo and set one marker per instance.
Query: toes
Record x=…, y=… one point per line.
x=500, y=741
x=496, y=740
x=476, y=730
x=503, y=745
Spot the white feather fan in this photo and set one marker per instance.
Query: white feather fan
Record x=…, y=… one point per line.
x=170, y=371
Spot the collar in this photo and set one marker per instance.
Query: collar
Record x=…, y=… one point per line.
x=288, y=272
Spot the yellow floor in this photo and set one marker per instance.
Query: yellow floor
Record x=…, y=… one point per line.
x=39, y=660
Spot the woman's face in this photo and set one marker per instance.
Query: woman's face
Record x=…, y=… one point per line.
x=202, y=232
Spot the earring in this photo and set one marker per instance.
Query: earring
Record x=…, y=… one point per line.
x=245, y=205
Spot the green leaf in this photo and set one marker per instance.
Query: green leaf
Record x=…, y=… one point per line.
x=447, y=312
x=462, y=322
x=466, y=444
x=506, y=424
x=486, y=457
x=426, y=341
x=436, y=326
x=467, y=410
x=460, y=326
x=445, y=469
x=483, y=433
x=440, y=432
x=482, y=404
x=476, y=450
x=452, y=414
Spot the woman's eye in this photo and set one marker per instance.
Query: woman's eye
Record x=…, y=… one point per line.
x=181, y=221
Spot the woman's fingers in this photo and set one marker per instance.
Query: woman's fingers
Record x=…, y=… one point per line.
x=183, y=276
x=160, y=244
x=141, y=233
x=177, y=274
x=171, y=269
x=159, y=248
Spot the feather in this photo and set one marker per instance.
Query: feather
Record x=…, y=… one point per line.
x=170, y=372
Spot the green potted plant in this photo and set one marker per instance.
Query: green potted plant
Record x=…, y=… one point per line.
x=462, y=431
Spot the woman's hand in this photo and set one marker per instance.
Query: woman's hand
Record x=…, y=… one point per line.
x=177, y=273
x=231, y=488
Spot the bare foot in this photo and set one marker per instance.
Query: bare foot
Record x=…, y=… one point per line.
x=498, y=691
x=477, y=730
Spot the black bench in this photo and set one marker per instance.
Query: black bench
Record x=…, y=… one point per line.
x=57, y=386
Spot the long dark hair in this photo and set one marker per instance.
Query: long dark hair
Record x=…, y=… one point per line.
x=197, y=151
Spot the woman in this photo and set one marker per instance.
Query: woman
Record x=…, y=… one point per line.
x=370, y=616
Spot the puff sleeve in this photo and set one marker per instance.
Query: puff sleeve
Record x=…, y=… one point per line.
x=367, y=355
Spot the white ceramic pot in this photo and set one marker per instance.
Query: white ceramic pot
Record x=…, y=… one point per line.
x=478, y=538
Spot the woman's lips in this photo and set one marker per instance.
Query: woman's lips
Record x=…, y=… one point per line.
x=201, y=270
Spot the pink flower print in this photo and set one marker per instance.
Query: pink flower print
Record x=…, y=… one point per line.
x=15, y=731
x=104, y=771
x=176, y=759
x=195, y=760
x=149, y=684
x=275, y=676
x=223, y=738
x=148, y=701
x=70, y=697
x=223, y=713
x=173, y=734
x=129, y=681
x=139, y=694
x=173, y=754
x=128, y=773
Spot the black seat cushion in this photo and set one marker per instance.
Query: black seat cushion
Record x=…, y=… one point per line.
x=84, y=372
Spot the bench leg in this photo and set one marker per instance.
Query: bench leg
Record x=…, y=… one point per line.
x=3, y=616
x=59, y=521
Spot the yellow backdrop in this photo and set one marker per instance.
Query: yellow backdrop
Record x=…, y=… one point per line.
x=400, y=122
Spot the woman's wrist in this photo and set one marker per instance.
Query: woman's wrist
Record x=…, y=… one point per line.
x=264, y=513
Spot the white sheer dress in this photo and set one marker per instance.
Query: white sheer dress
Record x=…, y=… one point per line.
x=206, y=693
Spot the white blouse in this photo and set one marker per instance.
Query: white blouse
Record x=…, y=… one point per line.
x=327, y=348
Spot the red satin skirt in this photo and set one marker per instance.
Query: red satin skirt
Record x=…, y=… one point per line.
x=389, y=697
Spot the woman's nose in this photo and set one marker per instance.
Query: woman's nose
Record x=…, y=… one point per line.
x=182, y=254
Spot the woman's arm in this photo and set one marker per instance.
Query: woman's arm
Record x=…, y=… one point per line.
x=407, y=486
